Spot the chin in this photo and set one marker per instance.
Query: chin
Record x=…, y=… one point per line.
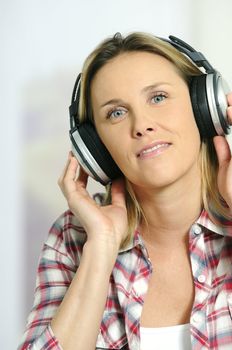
x=165, y=177
x=154, y=182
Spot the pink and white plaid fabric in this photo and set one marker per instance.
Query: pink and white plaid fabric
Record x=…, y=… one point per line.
x=210, y=249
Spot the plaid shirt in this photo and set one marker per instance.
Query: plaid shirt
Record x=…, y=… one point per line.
x=210, y=249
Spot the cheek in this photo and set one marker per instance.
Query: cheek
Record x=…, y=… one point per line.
x=187, y=132
x=188, y=125
x=193, y=133
x=112, y=146
x=191, y=141
x=114, y=143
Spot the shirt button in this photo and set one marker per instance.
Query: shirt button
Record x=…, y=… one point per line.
x=196, y=229
x=196, y=319
x=201, y=278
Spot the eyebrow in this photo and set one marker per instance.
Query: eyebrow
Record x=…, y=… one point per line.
x=144, y=90
x=154, y=86
x=112, y=102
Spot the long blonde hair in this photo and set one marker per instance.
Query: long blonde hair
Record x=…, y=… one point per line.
x=106, y=51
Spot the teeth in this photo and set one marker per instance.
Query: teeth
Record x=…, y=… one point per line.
x=149, y=150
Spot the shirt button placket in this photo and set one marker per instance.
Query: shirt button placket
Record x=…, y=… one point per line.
x=196, y=319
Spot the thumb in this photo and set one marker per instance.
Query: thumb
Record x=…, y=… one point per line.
x=222, y=149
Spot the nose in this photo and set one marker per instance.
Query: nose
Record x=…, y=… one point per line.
x=142, y=126
x=141, y=133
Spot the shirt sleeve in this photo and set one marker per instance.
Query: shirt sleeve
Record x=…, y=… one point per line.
x=45, y=341
x=55, y=272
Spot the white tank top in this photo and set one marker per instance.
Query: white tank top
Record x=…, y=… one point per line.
x=166, y=338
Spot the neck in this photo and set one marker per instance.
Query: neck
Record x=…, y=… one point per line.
x=170, y=211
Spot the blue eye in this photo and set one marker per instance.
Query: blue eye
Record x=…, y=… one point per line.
x=158, y=98
x=116, y=114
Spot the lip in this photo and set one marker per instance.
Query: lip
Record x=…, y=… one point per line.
x=163, y=145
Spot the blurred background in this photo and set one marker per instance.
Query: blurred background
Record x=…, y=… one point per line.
x=43, y=46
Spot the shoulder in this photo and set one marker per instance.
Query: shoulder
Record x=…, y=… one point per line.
x=67, y=236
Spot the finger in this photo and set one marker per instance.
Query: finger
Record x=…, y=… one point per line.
x=229, y=109
x=118, y=192
x=229, y=98
x=66, y=165
x=229, y=114
x=71, y=172
x=222, y=148
x=61, y=177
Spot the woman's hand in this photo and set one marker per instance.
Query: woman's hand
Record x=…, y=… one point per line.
x=106, y=224
x=225, y=161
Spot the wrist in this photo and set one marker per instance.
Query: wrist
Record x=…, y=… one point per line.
x=105, y=240
x=102, y=254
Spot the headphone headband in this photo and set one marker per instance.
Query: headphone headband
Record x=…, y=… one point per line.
x=209, y=104
x=197, y=57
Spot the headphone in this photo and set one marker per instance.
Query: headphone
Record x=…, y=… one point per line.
x=209, y=103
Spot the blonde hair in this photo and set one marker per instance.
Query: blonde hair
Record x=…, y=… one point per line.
x=106, y=51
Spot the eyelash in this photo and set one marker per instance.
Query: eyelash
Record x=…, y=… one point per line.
x=119, y=109
x=109, y=114
x=159, y=94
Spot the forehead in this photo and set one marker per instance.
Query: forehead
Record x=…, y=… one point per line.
x=131, y=67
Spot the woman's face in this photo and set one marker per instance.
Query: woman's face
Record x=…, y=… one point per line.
x=143, y=114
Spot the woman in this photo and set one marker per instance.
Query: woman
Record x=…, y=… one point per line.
x=151, y=267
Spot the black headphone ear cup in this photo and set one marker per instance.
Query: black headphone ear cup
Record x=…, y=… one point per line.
x=199, y=99
x=98, y=150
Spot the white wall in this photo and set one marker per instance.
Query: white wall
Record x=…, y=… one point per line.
x=211, y=28
x=43, y=45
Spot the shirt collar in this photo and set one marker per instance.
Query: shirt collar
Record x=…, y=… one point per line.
x=135, y=240
x=215, y=224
